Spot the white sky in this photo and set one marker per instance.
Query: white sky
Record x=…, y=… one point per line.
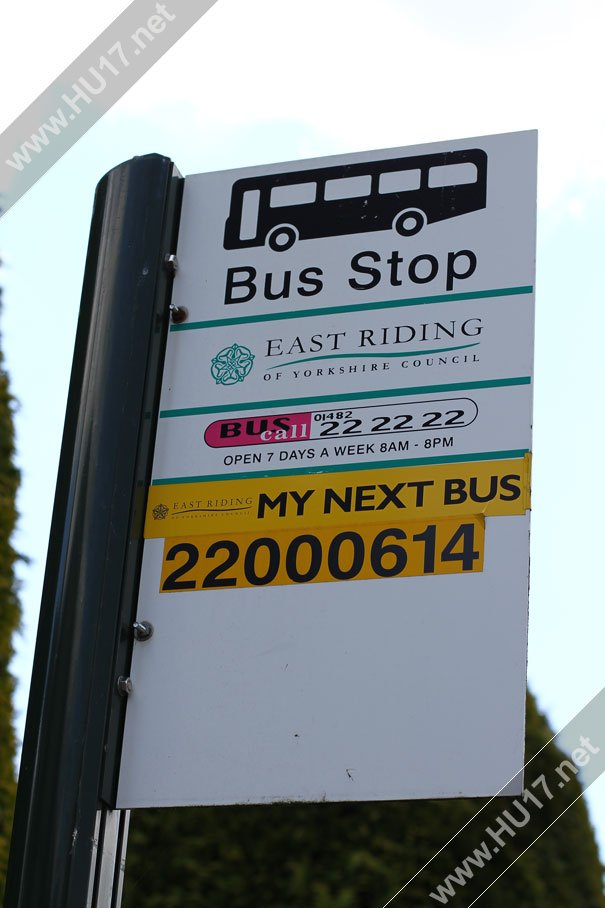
x=270, y=80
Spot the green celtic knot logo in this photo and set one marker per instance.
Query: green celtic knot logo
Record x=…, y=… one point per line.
x=231, y=365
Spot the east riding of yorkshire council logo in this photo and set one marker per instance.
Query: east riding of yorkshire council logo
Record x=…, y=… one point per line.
x=231, y=365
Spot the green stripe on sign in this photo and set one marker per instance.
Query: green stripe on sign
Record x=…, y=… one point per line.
x=349, y=467
x=360, y=307
x=339, y=398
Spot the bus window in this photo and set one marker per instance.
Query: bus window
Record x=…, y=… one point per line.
x=399, y=181
x=250, y=207
x=294, y=194
x=452, y=174
x=348, y=188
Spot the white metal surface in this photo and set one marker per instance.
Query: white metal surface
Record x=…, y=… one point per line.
x=408, y=687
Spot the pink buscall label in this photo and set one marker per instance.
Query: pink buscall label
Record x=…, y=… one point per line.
x=258, y=430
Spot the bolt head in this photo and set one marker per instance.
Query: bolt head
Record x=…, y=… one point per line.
x=124, y=685
x=143, y=630
x=178, y=314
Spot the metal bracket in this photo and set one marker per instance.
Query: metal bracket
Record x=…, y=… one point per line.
x=178, y=314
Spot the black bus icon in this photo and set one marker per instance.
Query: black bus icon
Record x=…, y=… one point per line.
x=402, y=194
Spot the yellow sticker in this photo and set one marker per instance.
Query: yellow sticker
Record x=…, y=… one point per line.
x=360, y=497
x=282, y=557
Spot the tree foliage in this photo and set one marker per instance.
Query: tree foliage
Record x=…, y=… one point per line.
x=355, y=855
x=9, y=615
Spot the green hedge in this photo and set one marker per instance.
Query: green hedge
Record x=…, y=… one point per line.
x=9, y=616
x=353, y=855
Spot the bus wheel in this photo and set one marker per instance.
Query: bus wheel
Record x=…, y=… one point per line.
x=282, y=238
x=409, y=222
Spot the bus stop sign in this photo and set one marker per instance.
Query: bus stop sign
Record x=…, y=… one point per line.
x=337, y=533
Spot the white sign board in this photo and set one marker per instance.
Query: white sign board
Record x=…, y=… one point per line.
x=336, y=561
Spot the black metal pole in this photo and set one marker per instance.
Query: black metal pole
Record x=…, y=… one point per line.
x=75, y=714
